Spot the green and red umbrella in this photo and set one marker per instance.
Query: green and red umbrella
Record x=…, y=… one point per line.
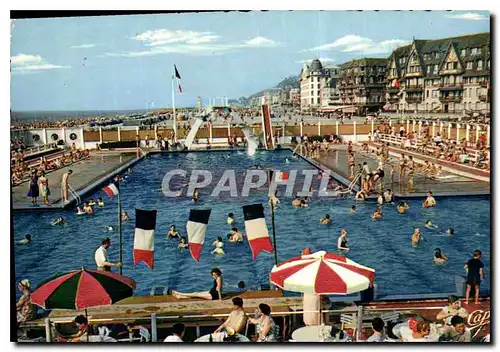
x=80, y=289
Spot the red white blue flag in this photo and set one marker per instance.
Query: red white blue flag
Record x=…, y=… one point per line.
x=196, y=228
x=112, y=189
x=144, y=240
x=256, y=229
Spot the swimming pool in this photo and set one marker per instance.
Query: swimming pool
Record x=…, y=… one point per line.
x=384, y=245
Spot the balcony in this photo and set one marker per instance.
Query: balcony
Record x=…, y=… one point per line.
x=451, y=86
x=392, y=89
x=484, y=84
x=483, y=97
x=413, y=99
x=392, y=100
x=414, y=88
x=450, y=99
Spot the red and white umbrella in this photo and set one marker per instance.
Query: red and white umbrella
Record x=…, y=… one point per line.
x=322, y=273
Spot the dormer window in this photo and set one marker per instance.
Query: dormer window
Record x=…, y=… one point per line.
x=480, y=65
x=463, y=52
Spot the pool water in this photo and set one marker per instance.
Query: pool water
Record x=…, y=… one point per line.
x=384, y=245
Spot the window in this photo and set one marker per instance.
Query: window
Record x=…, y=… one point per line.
x=455, y=65
x=488, y=64
x=429, y=69
x=438, y=55
x=312, y=86
x=427, y=93
x=474, y=51
x=480, y=65
x=435, y=69
x=463, y=52
x=469, y=65
x=312, y=100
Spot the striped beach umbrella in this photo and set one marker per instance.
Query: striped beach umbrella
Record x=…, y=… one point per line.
x=322, y=273
x=80, y=289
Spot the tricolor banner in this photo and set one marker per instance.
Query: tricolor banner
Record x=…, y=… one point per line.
x=144, y=240
x=112, y=189
x=256, y=229
x=196, y=228
x=278, y=176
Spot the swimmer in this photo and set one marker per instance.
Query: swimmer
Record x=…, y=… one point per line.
x=296, y=203
x=402, y=207
x=110, y=228
x=388, y=196
x=361, y=195
x=183, y=243
x=303, y=203
x=416, y=236
x=439, y=258
x=430, y=225
x=230, y=219
x=380, y=198
x=378, y=214
x=88, y=209
x=235, y=235
x=326, y=220
x=173, y=233
x=100, y=202
x=196, y=195
x=125, y=216
x=58, y=221
x=450, y=232
x=342, y=241
x=353, y=209
x=80, y=211
x=91, y=202
x=25, y=240
x=219, y=246
x=429, y=201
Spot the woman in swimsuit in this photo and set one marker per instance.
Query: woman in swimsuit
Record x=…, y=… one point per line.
x=439, y=258
x=215, y=292
x=342, y=241
x=402, y=166
x=416, y=237
x=351, y=163
x=196, y=195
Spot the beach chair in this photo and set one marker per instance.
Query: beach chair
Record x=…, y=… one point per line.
x=349, y=321
x=390, y=317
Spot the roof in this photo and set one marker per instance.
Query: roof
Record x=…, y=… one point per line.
x=316, y=65
x=366, y=61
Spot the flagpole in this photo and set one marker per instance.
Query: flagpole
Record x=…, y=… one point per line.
x=120, y=230
x=173, y=107
x=274, y=233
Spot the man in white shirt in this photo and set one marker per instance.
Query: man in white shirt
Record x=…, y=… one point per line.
x=101, y=256
x=177, y=333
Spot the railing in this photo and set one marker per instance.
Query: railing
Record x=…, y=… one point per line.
x=413, y=99
x=450, y=99
x=38, y=149
x=451, y=86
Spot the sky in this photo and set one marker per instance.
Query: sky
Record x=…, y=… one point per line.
x=126, y=62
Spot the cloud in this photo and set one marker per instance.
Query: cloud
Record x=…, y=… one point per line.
x=83, y=46
x=469, y=16
x=357, y=44
x=323, y=60
x=30, y=63
x=164, y=41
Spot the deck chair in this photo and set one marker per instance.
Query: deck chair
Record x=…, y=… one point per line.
x=349, y=321
x=390, y=317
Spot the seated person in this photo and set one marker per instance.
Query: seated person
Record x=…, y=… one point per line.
x=83, y=331
x=336, y=335
x=177, y=333
x=237, y=319
x=378, y=330
x=452, y=309
x=326, y=220
x=456, y=332
x=230, y=219
x=416, y=331
x=173, y=233
x=183, y=243
x=235, y=235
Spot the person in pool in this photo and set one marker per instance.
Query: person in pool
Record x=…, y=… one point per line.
x=430, y=225
x=235, y=235
x=429, y=201
x=125, y=216
x=326, y=220
x=380, y=198
x=296, y=203
x=196, y=195
x=342, y=241
x=79, y=210
x=230, y=219
x=173, y=233
x=416, y=236
x=353, y=209
x=219, y=246
x=59, y=221
x=88, y=209
x=91, y=202
x=450, y=232
x=439, y=258
x=100, y=202
x=183, y=243
x=377, y=214
x=388, y=196
x=361, y=195
x=25, y=240
x=303, y=203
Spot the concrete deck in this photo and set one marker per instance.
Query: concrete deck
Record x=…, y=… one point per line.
x=455, y=185
x=85, y=173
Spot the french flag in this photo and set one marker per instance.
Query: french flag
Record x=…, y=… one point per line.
x=256, y=229
x=112, y=189
x=196, y=228
x=144, y=240
x=279, y=176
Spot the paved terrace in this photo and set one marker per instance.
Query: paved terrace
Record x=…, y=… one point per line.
x=85, y=173
x=454, y=182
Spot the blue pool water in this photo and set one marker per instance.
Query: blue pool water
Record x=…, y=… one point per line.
x=384, y=245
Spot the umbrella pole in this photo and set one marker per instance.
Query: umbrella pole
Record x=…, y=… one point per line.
x=120, y=229
x=274, y=234
x=88, y=325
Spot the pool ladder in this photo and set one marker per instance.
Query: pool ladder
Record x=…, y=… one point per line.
x=73, y=192
x=354, y=181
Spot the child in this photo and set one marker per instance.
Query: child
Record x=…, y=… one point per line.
x=88, y=209
x=377, y=215
x=230, y=219
x=100, y=202
x=325, y=220
x=91, y=202
x=183, y=243
x=219, y=246
x=475, y=272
